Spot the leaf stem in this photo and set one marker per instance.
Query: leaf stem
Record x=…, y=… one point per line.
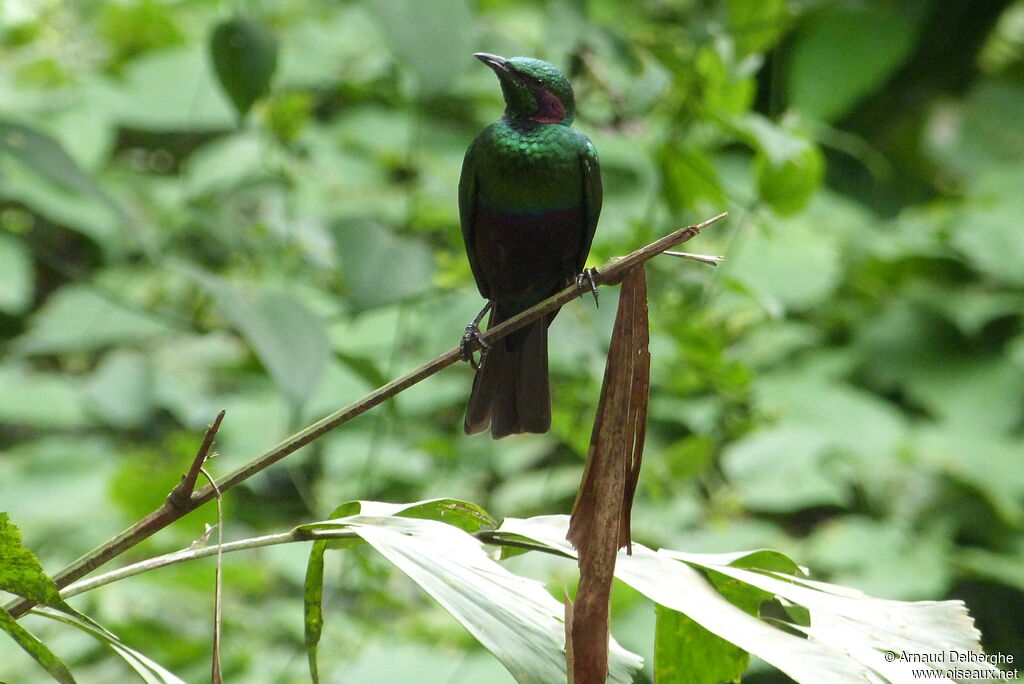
x=303, y=534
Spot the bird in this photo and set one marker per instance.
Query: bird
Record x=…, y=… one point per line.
x=529, y=200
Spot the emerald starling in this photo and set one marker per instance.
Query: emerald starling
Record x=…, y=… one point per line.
x=529, y=198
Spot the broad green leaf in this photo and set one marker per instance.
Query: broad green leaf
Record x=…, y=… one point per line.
x=788, y=166
x=759, y=559
x=983, y=134
x=120, y=389
x=36, y=648
x=16, y=277
x=678, y=586
x=989, y=234
x=47, y=158
x=133, y=28
x=690, y=178
x=863, y=627
x=808, y=399
x=847, y=631
x=513, y=617
x=844, y=53
x=434, y=40
x=984, y=395
x=289, y=339
x=22, y=575
x=244, y=55
x=464, y=515
x=979, y=457
x=68, y=465
x=903, y=562
x=728, y=88
x=793, y=267
x=170, y=90
x=225, y=164
x=686, y=653
x=379, y=267
x=85, y=214
x=84, y=318
x=42, y=400
x=788, y=186
x=784, y=469
x=20, y=571
x=756, y=25
x=1000, y=567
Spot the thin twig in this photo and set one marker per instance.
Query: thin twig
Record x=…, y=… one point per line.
x=708, y=259
x=610, y=274
x=215, y=675
x=181, y=494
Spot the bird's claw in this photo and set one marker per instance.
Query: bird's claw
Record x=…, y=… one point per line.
x=471, y=335
x=588, y=277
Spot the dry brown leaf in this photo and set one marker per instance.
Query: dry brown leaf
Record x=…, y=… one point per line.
x=601, y=514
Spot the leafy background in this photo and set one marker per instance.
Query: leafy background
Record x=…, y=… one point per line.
x=846, y=388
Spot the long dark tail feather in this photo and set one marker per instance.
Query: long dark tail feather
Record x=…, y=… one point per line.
x=510, y=392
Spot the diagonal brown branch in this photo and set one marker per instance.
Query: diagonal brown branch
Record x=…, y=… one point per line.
x=609, y=274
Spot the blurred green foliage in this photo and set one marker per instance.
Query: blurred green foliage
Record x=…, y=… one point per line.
x=848, y=387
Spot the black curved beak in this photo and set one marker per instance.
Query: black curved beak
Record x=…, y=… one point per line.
x=498, y=64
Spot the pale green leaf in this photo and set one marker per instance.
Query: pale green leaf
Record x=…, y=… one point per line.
x=82, y=318
x=791, y=268
x=44, y=400
x=36, y=648
x=289, y=339
x=83, y=213
x=847, y=631
x=172, y=89
x=988, y=234
x=903, y=563
x=148, y=670
x=680, y=587
x=434, y=40
x=379, y=267
x=984, y=395
x=47, y=158
x=862, y=627
x=120, y=389
x=16, y=277
x=513, y=617
x=784, y=469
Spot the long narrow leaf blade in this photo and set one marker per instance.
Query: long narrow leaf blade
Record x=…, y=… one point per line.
x=513, y=617
x=46, y=658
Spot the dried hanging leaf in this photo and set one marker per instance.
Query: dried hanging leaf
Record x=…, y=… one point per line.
x=600, y=517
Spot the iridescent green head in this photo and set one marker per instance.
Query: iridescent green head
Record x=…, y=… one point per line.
x=533, y=89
